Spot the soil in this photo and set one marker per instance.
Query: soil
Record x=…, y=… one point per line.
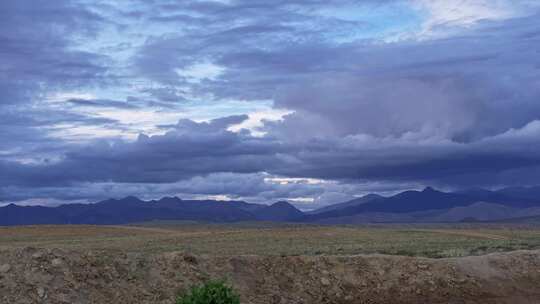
x=31, y=275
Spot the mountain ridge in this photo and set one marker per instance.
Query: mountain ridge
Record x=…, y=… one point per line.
x=408, y=206
x=132, y=209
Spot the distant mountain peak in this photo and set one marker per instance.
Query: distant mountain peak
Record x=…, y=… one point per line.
x=429, y=189
x=283, y=204
x=279, y=211
x=351, y=203
x=122, y=201
x=370, y=196
x=130, y=198
x=169, y=199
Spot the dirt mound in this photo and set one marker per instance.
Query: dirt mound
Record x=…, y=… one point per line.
x=55, y=276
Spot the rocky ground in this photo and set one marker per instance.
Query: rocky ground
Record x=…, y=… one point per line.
x=31, y=275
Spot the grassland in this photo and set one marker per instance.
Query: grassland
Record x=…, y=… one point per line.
x=267, y=239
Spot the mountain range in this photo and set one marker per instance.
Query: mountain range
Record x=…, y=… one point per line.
x=428, y=205
x=132, y=209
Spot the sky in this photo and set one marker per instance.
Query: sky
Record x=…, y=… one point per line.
x=310, y=101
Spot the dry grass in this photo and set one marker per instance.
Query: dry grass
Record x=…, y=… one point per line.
x=264, y=239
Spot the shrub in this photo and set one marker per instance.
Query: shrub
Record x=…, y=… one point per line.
x=213, y=292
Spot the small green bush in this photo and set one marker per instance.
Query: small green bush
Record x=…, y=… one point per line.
x=213, y=292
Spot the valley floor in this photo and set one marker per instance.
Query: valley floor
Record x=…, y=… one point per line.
x=435, y=241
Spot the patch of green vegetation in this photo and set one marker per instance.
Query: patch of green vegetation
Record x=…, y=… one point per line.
x=212, y=292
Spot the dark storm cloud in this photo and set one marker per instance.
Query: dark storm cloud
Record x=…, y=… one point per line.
x=430, y=161
x=452, y=93
x=199, y=149
x=189, y=150
x=237, y=186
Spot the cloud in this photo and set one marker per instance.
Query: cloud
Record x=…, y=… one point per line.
x=36, y=54
x=102, y=103
x=191, y=149
x=461, y=87
x=446, y=15
x=451, y=101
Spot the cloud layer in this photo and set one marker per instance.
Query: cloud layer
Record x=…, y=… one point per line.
x=446, y=94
